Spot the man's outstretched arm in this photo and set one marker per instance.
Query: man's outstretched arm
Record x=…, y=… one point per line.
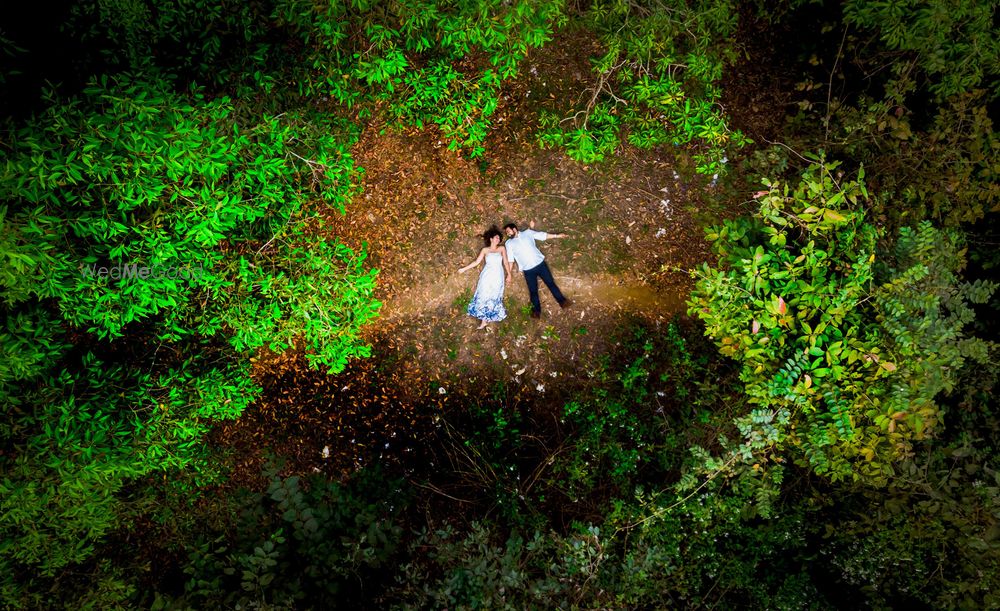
x=531, y=226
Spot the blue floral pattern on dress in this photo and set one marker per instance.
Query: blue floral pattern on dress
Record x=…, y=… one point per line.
x=487, y=302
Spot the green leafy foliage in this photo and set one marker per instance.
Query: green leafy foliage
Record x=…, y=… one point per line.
x=930, y=536
x=691, y=557
x=139, y=212
x=189, y=36
x=947, y=174
x=612, y=439
x=30, y=341
x=438, y=62
x=843, y=357
x=83, y=433
x=953, y=43
x=656, y=82
x=310, y=542
x=907, y=94
x=145, y=186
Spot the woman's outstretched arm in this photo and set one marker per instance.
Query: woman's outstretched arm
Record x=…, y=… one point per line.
x=506, y=263
x=479, y=259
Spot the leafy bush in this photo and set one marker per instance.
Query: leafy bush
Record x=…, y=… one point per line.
x=430, y=61
x=135, y=176
x=930, y=536
x=139, y=212
x=614, y=429
x=907, y=94
x=843, y=356
x=946, y=173
x=953, y=43
x=631, y=560
x=193, y=37
x=301, y=544
x=85, y=431
x=655, y=83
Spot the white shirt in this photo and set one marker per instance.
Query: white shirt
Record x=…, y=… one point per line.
x=522, y=249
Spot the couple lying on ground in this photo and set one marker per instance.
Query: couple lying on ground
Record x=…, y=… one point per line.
x=487, y=302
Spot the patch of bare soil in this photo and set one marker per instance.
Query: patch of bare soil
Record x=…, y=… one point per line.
x=629, y=224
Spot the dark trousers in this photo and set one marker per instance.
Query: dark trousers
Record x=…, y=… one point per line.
x=532, y=275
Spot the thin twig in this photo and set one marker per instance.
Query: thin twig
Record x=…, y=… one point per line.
x=790, y=149
x=556, y=195
x=829, y=88
x=439, y=491
x=662, y=510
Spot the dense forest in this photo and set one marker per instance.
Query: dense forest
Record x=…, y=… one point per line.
x=237, y=369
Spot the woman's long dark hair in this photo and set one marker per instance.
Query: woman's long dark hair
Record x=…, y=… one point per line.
x=489, y=233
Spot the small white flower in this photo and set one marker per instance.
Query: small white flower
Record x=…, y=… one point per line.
x=326, y=451
x=503, y=354
x=661, y=232
x=553, y=373
x=441, y=390
x=540, y=388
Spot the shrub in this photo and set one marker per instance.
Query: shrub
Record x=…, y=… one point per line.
x=844, y=346
x=435, y=62
x=212, y=224
x=656, y=82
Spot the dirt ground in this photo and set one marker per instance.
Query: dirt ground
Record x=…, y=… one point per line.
x=627, y=228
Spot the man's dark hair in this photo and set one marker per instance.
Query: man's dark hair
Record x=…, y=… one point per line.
x=510, y=226
x=489, y=233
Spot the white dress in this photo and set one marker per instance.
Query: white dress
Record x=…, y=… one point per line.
x=487, y=302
